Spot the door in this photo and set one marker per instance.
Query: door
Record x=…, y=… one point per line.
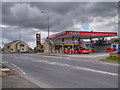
x=119, y=48
x=114, y=47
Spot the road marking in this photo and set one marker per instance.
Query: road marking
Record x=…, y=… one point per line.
x=53, y=56
x=109, y=63
x=77, y=67
x=86, y=61
x=94, y=61
x=5, y=62
x=94, y=70
x=18, y=68
x=88, y=56
x=99, y=62
x=67, y=58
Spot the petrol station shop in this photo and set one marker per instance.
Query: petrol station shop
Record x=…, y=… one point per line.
x=73, y=42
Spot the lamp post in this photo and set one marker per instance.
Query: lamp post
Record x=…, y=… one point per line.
x=48, y=31
x=19, y=33
x=19, y=37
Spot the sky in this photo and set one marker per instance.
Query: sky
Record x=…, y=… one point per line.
x=26, y=18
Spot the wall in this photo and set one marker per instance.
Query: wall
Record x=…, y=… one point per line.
x=45, y=48
x=102, y=47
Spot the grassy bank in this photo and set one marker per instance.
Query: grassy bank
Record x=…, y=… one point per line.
x=1, y=76
x=48, y=55
x=111, y=59
x=16, y=53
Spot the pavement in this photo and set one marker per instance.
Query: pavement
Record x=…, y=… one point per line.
x=13, y=79
x=17, y=82
x=84, y=71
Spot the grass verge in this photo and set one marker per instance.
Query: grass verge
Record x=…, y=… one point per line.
x=48, y=55
x=2, y=76
x=17, y=53
x=108, y=60
x=111, y=59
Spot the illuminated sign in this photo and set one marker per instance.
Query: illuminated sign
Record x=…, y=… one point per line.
x=91, y=33
x=80, y=33
x=38, y=41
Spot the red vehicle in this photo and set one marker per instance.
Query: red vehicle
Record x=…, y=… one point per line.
x=70, y=51
x=75, y=51
x=83, y=50
x=93, y=50
x=109, y=50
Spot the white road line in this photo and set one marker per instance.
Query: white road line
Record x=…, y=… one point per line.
x=5, y=62
x=53, y=56
x=67, y=58
x=94, y=70
x=99, y=62
x=86, y=61
x=96, y=62
x=18, y=68
x=76, y=67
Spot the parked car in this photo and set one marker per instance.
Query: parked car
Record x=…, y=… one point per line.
x=70, y=51
x=93, y=50
x=109, y=50
x=83, y=50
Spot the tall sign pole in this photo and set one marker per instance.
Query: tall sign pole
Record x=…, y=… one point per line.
x=62, y=44
x=48, y=31
x=38, y=41
x=73, y=43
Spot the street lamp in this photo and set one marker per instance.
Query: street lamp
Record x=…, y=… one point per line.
x=19, y=37
x=19, y=33
x=48, y=31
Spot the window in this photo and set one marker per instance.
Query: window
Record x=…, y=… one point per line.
x=22, y=49
x=22, y=45
x=11, y=49
x=8, y=47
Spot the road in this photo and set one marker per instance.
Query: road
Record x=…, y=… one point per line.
x=65, y=72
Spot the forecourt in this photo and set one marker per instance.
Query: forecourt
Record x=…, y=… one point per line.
x=73, y=39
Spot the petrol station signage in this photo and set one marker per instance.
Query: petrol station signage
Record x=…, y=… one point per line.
x=90, y=33
x=38, y=40
x=83, y=34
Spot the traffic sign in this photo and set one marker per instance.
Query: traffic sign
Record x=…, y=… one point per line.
x=38, y=41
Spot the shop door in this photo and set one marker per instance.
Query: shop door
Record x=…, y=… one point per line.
x=119, y=48
x=114, y=47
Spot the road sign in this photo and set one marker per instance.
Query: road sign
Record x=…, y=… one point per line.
x=38, y=41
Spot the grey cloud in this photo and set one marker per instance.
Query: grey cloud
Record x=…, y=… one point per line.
x=63, y=16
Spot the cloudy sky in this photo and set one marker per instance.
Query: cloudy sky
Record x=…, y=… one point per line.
x=82, y=16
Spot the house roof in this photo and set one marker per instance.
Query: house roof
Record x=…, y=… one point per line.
x=14, y=42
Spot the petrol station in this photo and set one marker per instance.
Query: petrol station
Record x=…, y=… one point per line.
x=72, y=41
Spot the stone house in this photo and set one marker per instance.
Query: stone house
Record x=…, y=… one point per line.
x=16, y=46
x=51, y=47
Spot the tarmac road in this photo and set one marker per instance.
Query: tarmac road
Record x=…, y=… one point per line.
x=65, y=72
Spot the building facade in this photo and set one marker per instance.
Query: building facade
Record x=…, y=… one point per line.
x=16, y=46
x=51, y=46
